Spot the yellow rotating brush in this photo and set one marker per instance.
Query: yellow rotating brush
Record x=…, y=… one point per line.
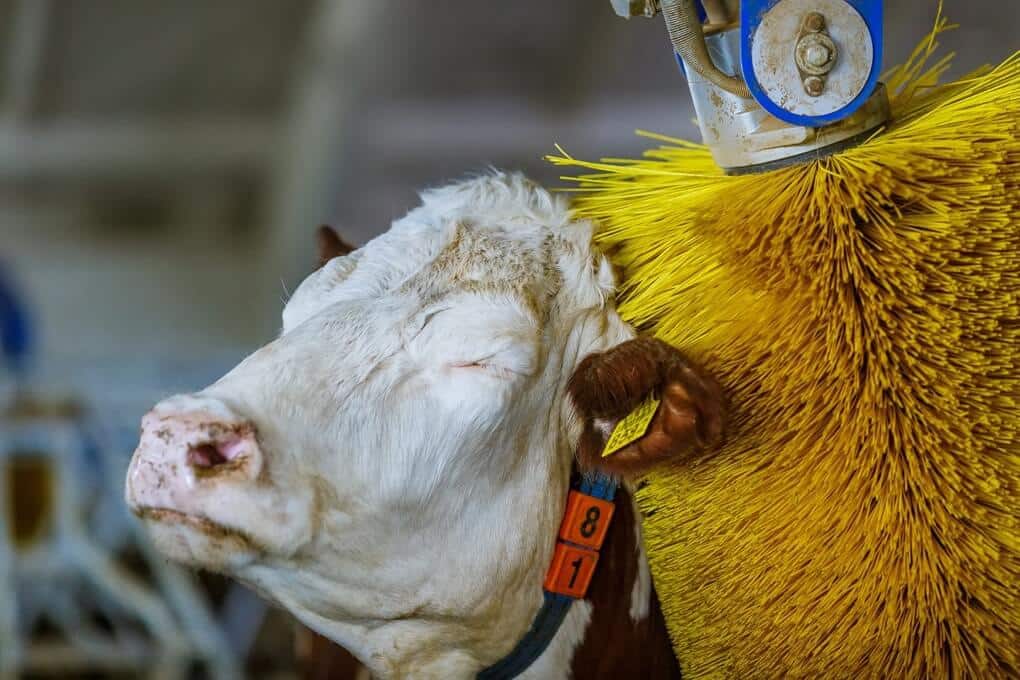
x=861, y=306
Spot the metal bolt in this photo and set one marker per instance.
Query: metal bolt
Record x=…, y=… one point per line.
x=814, y=22
x=816, y=55
x=814, y=85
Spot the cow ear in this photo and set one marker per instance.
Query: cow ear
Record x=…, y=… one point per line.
x=609, y=385
x=330, y=244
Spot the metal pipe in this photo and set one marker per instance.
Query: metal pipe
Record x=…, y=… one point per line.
x=688, y=38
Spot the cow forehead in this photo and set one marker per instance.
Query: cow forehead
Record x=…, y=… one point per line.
x=498, y=235
x=493, y=232
x=492, y=265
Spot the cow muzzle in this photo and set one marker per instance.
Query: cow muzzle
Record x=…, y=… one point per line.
x=189, y=452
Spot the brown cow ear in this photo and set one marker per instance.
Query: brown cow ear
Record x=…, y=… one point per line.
x=330, y=244
x=608, y=385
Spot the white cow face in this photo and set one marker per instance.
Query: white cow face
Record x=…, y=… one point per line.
x=393, y=468
x=402, y=450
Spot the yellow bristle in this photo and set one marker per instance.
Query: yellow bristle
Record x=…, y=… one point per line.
x=863, y=313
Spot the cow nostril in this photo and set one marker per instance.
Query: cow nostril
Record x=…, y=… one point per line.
x=205, y=456
x=233, y=448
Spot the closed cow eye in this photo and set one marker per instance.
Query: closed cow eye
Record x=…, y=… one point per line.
x=489, y=367
x=507, y=357
x=475, y=336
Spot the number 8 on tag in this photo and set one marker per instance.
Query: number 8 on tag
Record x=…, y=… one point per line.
x=586, y=520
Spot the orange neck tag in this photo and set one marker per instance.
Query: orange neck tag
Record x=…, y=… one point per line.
x=582, y=531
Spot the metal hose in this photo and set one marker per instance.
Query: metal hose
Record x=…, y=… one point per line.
x=688, y=40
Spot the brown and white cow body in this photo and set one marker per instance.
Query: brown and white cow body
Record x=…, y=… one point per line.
x=393, y=468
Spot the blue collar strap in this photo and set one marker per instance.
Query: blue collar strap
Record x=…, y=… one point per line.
x=585, y=522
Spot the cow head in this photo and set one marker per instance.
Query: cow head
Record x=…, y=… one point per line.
x=393, y=467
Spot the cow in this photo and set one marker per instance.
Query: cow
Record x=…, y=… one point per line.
x=394, y=467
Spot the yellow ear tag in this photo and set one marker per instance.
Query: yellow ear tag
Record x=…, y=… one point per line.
x=632, y=427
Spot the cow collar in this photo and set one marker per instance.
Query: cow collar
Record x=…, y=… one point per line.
x=585, y=522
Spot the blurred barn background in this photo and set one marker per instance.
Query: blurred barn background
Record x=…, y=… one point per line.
x=162, y=168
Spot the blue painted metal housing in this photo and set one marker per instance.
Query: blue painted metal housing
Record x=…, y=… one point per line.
x=751, y=13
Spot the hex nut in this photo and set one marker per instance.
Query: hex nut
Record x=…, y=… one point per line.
x=815, y=54
x=814, y=22
x=814, y=85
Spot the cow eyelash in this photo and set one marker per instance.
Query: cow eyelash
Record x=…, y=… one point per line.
x=490, y=368
x=469, y=364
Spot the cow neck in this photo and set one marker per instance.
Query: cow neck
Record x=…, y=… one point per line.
x=555, y=605
x=612, y=635
x=615, y=645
